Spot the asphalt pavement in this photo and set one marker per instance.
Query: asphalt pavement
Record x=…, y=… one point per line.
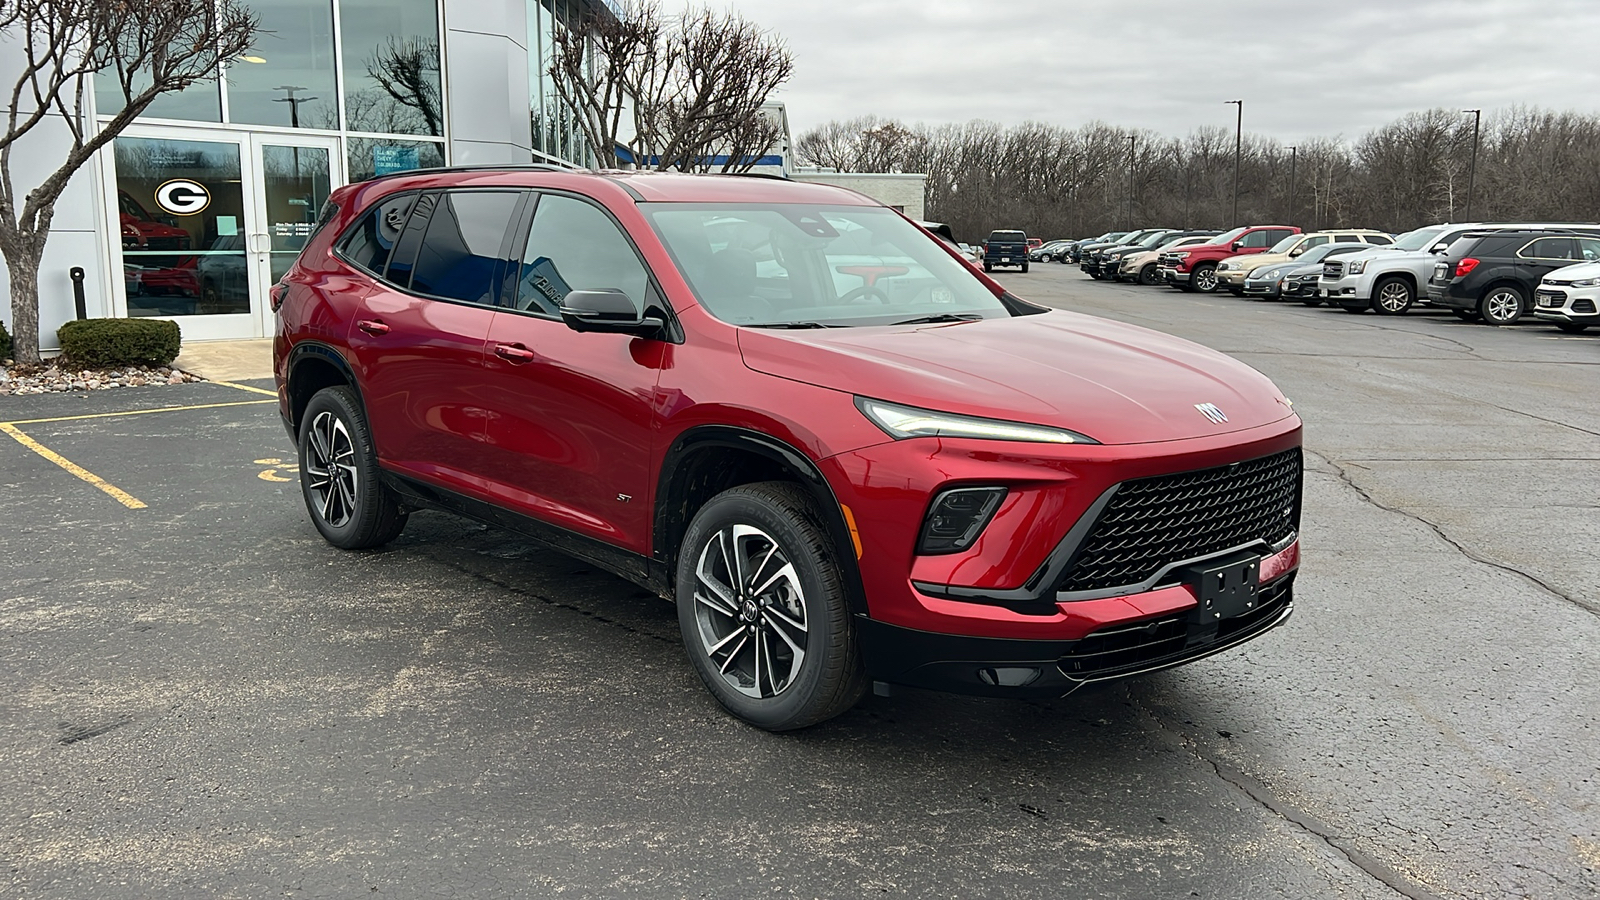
x=199, y=698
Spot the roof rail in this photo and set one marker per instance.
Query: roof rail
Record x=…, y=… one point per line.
x=491, y=167
x=767, y=175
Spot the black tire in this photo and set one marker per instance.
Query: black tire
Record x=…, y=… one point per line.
x=1572, y=327
x=1503, y=304
x=1147, y=275
x=356, y=511
x=1358, y=310
x=988, y=268
x=1204, y=278
x=1024, y=268
x=830, y=677
x=1311, y=302
x=1465, y=315
x=1392, y=296
x=1236, y=291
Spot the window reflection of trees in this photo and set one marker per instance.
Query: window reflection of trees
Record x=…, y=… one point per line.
x=405, y=96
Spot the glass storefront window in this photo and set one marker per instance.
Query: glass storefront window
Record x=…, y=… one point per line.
x=181, y=210
x=200, y=103
x=391, y=66
x=371, y=157
x=291, y=81
x=297, y=185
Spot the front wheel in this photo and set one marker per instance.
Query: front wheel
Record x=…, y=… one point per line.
x=1502, y=305
x=763, y=611
x=1147, y=275
x=339, y=474
x=1391, y=297
x=1204, y=279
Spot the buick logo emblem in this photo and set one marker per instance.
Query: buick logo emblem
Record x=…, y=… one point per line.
x=183, y=197
x=1210, y=411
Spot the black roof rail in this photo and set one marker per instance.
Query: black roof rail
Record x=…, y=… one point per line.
x=489, y=167
x=767, y=175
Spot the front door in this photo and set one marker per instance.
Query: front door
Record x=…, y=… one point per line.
x=294, y=176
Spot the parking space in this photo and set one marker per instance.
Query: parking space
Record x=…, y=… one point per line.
x=201, y=698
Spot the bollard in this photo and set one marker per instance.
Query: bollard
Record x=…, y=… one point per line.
x=76, y=272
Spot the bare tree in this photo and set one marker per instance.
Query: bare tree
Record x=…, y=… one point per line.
x=695, y=88
x=408, y=71
x=144, y=48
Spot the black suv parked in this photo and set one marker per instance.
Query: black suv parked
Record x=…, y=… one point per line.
x=1491, y=276
x=1005, y=248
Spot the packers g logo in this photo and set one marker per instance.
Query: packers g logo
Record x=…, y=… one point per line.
x=183, y=197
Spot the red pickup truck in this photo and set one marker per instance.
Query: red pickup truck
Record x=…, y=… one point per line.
x=1194, y=268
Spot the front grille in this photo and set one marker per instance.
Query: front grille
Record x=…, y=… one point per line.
x=1131, y=648
x=1334, y=270
x=1151, y=523
x=1169, y=259
x=1550, y=298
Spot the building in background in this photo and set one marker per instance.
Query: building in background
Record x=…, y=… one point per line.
x=203, y=203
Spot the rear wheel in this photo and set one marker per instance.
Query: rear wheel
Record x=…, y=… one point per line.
x=1024, y=268
x=1502, y=305
x=1392, y=296
x=762, y=607
x=1572, y=327
x=1204, y=279
x=339, y=474
x=988, y=268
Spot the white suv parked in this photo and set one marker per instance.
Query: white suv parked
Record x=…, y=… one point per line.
x=1570, y=297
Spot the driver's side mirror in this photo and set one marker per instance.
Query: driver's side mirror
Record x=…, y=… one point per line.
x=1296, y=252
x=1238, y=245
x=1439, y=248
x=607, y=311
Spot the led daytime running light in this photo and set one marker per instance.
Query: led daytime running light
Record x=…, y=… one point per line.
x=905, y=422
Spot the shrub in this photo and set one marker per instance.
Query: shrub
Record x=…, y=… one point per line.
x=109, y=343
x=5, y=342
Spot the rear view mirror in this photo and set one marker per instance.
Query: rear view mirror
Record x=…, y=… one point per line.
x=607, y=311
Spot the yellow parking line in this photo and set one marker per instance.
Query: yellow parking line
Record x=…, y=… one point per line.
x=116, y=493
x=138, y=412
x=246, y=387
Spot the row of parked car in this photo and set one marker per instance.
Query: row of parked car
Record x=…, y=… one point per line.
x=1495, y=273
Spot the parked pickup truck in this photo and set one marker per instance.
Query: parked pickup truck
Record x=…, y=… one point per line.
x=1195, y=268
x=1005, y=248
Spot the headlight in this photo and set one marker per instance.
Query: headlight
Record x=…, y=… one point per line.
x=1586, y=282
x=1357, y=267
x=1182, y=255
x=1225, y=267
x=903, y=422
x=1267, y=275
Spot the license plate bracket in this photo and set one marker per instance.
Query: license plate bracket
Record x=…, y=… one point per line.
x=1226, y=588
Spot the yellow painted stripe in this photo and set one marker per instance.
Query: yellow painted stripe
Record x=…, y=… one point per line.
x=114, y=492
x=246, y=387
x=138, y=412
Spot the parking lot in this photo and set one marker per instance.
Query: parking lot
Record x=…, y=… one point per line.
x=201, y=698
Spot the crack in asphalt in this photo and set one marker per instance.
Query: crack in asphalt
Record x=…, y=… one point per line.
x=1344, y=476
x=1263, y=797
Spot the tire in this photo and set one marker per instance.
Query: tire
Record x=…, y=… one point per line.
x=1392, y=297
x=1465, y=315
x=1236, y=291
x=1572, y=327
x=1502, y=304
x=1024, y=268
x=1204, y=278
x=1358, y=310
x=1147, y=275
x=804, y=616
x=353, y=510
x=1312, y=302
x=988, y=268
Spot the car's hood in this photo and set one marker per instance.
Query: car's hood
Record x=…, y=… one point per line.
x=1385, y=253
x=1116, y=383
x=1579, y=272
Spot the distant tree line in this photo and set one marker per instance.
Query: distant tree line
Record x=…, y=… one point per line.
x=1052, y=181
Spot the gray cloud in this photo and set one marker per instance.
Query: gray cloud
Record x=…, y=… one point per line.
x=1303, y=70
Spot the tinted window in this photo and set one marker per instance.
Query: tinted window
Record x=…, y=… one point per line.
x=1007, y=236
x=1588, y=249
x=405, y=249
x=1259, y=239
x=575, y=247
x=369, y=243
x=462, y=255
x=1551, y=248
x=1346, y=239
x=1378, y=239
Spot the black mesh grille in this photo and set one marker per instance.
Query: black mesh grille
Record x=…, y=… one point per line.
x=1153, y=522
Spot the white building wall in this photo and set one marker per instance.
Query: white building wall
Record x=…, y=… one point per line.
x=75, y=232
x=486, y=76
x=907, y=192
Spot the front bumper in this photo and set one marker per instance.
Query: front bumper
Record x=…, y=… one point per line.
x=1173, y=276
x=1168, y=635
x=1575, y=305
x=1232, y=278
x=1267, y=289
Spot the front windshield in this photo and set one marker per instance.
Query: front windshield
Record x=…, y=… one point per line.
x=798, y=265
x=1229, y=237
x=1315, y=254
x=1419, y=239
x=1154, y=240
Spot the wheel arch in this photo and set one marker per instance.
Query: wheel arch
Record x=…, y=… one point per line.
x=311, y=367
x=708, y=459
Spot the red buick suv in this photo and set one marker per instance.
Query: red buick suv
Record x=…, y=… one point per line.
x=846, y=455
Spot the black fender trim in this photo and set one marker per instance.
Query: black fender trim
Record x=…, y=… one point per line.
x=325, y=353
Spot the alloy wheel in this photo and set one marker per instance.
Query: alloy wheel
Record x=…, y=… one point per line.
x=1206, y=279
x=1502, y=306
x=1394, y=297
x=331, y=467
x=750, y=611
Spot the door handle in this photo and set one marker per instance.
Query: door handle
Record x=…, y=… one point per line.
x=374, y=327
x=516, y=354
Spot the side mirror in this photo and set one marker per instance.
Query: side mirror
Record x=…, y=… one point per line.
x=1296, y=252
x=1439, y=248
x=608, y=312
x=1238, y=245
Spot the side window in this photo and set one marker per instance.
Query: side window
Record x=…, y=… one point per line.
x=369, y=243
x=1317, y=241
x=1550, y=248
x=405, y=249
x=1347, y=239
x=1259, y=239
x=573, y=246
x=464, y=251
x=1378, y=239
x=1589, y=249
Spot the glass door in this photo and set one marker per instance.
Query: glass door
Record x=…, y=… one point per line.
x=294, y=176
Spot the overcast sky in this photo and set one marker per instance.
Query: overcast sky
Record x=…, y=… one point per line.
x=1303, y=69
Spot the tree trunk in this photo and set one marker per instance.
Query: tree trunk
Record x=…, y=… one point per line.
x=22, y=263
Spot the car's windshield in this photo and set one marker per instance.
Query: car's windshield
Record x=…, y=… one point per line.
x=1419, y=239
x=1228, y=237
x=1316, y=254
x=786, y=264
x=1155, y=239
x=1287, y=244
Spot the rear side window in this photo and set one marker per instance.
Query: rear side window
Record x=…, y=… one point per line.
x=1346, y=239
x=573, y=246
x=1378, y=239
x=369, y=244
x=464, y=251
x=1551, y=248
x=1007, y=236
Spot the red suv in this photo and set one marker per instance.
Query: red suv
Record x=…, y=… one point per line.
x=1194, y=268
x=847, y=456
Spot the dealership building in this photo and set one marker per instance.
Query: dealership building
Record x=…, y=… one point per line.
x=204, y=202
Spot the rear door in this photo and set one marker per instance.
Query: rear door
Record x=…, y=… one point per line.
x=418, y=341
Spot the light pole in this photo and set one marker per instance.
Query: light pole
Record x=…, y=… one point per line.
x=1472, y=172
x=1133, y=140
x=1293, y=153
x=1238, y=141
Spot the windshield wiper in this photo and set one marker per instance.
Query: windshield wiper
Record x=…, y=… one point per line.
x=941, y=317
x=795, y=325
